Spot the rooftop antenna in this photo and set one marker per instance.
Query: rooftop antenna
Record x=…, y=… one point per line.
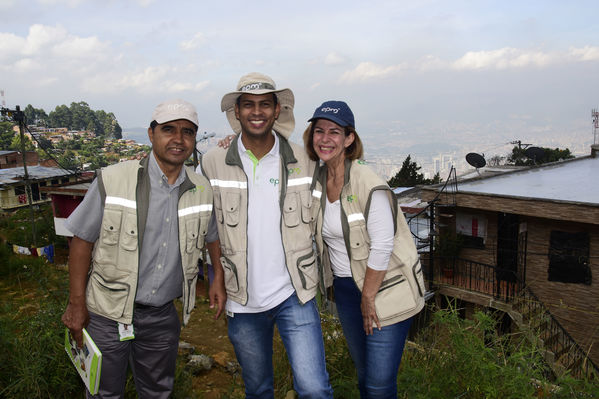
x=595, y=115
x=476, y=160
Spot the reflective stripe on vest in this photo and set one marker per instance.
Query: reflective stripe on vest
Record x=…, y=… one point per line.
x=229, y=183
x=121, y=201
x=299, y=181
x=194, y=209
x=354, y=217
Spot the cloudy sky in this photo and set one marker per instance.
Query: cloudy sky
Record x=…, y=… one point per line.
x=417, y=72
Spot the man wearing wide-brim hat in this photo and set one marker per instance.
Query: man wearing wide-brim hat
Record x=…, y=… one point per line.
x=262, y=202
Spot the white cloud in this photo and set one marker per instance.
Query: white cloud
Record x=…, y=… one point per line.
x=369, y=70
x=334, y=59
x=587, y=53
x=10, y=45
x=80, y=47
x=505, y=58
x=154, y=79
x=26, y=65
x=196, y=41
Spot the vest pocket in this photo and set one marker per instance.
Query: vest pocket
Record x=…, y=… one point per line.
x=306, y=199
x=419, y=276
x=231, y=208
x=231, y=279
x=191, y=233
x=109, y=298
x=218, y=205
x=203, y=230
x=129, y=234
x=291, y=210
x=111, y=226
x=308, y=272
x=394, y=299
x=191, y=292
x=359, y=247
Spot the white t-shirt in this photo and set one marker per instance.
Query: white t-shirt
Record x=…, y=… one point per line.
x=380, y=231
x=269, y=282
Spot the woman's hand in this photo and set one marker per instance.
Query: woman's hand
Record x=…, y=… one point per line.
x=372, y=283
x=226, y=142
x=369, y=316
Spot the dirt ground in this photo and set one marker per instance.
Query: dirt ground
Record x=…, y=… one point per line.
x=209, y=337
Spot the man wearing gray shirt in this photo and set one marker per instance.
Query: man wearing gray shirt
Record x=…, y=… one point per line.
x=137, y=238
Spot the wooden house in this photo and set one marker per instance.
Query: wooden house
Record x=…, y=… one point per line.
x=527, y=242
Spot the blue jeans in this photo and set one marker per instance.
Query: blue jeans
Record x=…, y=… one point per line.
x=299, y=326
x=375, y=356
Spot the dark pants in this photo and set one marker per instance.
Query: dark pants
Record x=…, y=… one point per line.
x=152, y=354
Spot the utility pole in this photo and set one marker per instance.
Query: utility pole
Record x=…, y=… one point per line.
x=19, y=116
x=520, y=144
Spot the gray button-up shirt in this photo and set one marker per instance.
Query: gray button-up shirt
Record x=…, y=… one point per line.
x=160, y=271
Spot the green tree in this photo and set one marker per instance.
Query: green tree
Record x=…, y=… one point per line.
x=117, y=131
x=15, y=144
x=6, y=135
x=409, y=175
x=35, y=116
x=518, y=156
x=60, y=117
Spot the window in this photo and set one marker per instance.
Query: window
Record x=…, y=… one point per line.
x=472, y=228
x=569, y=258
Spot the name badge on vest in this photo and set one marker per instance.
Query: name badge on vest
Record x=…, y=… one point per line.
x=126, y=332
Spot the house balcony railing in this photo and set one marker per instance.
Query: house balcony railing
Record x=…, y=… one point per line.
x=476, y=277
x=505, y=286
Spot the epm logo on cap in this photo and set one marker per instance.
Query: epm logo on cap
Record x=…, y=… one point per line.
x=329, y=109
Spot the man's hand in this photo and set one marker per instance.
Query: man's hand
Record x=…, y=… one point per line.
x=226, y=142
x=217, y=292
x=76, y=317
x=217, y=295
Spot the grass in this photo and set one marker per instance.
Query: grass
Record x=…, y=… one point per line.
x=451, y=358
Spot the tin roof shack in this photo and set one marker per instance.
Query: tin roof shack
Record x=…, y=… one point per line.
x=12, y=184
x=65, y=198
x=539, y=226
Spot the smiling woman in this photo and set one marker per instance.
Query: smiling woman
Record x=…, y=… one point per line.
x=378, y=282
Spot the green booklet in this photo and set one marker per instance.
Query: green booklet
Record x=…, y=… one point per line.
x=87, y=360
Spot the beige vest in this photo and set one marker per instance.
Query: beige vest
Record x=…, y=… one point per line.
x=401, y=294
x=112, y=283
x=229, y=183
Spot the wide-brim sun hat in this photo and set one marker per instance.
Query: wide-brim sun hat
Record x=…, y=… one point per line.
x=257, y=83
x=172, y=110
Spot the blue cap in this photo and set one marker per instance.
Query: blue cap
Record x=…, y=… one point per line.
x=335, y=111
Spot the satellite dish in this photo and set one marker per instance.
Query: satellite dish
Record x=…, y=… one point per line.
x=534, y=153
x=476, y=160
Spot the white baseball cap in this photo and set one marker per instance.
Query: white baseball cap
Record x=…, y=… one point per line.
x=172, y=110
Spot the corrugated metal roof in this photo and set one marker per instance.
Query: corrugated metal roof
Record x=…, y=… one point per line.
x=572, y=180
x=37, y=172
